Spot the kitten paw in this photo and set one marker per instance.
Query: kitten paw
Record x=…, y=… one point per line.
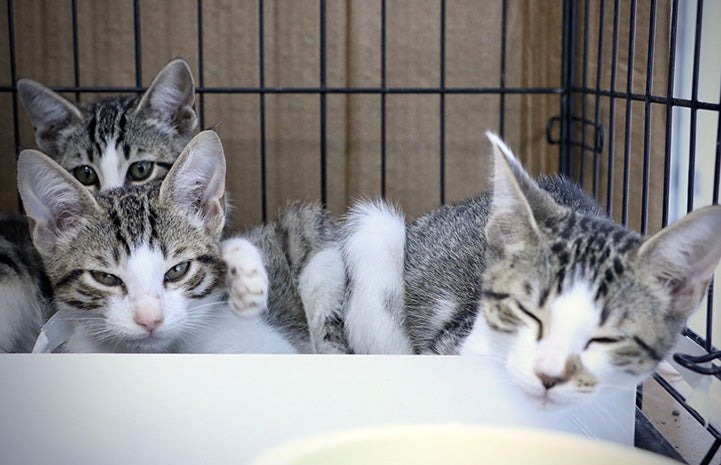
x=245, y=277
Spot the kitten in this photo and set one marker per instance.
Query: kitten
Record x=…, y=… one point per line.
x=137, y=269
x=109, y=143
x=24, y=287
x=117, y=141
x=568, y=300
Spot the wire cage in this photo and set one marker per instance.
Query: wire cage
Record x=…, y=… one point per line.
x=621, y=95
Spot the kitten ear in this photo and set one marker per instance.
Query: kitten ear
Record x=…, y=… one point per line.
x=171, y=96
x=683, y=256
x=196, y=182
x=518, y=202
x=48, y=111
x=56, y=203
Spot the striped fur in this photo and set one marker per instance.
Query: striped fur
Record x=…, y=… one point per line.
x=24, y=287
x=138, y=269
x=298, y=252
x=537, y=277
x=119, y=140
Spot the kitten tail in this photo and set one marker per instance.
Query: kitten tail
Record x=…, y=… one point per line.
x=373, y=251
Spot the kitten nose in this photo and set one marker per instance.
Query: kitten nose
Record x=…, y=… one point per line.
x=148, y=313
x=549, y=381
x=149, y=322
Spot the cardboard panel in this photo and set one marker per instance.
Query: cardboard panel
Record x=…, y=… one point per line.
x=230, y=43
x=8, y=192
x=166, y=36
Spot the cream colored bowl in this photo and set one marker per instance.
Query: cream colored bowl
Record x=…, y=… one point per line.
x=454, y=445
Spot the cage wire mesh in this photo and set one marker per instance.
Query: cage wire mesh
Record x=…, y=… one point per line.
x=632, y=105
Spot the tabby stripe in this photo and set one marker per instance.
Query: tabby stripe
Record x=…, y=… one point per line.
x=196, y=280
x=82, y=305
x=7, y=260
x=211, y=260
x=153, y=220
x=96, y=133
x=101, y=261
x=201, y=294
x=91, y=293
x=544, y=297
x=505, y=315
x=91, y=130
x=601, y=292
x=617, y=266
x=648, y=349
x=495, y=295
x=72, y=276
x=605, y=312
x=118, y=229
x=121, y=134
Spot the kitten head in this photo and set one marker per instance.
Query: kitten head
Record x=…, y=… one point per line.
x=136, y=268
x=577, y=302
x=120, y=140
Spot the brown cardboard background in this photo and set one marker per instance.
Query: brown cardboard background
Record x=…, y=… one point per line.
x=168, y=29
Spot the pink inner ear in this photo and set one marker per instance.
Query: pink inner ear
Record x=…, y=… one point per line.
x=67, y=219
x=508, y=232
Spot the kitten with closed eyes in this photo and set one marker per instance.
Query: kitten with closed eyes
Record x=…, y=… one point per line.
x=531, y=274
x=138, y=269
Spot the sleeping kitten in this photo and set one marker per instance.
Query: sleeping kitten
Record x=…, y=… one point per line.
x=120, y=140
x=24, y=287
x=138, y=269
x=570, y=301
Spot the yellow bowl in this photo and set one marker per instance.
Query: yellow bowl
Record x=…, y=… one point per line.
x=453, y=445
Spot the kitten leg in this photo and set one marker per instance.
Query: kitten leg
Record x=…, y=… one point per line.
x=373, y=250
x=246, y=277
x=321, y=286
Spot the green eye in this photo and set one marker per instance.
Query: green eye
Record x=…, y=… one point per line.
x=176, y=272
x=86, y=175
x=106, y=279
x=140, y=170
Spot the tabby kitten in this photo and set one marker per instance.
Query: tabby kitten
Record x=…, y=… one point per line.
x=117, y=141
x=568, y=300
x=113, y=142
x=138, y=269
x=24, y=287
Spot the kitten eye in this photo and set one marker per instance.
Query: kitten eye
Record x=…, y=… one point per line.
x=140, y=170
x=176, y=272
x=539, y=334
x=603, y=340
x=106, y=279
x=86, y=175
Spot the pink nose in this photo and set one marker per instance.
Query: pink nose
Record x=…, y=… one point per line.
x=148, y=322
x=148, y=312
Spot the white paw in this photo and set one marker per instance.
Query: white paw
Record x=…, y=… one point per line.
x=245, y=277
